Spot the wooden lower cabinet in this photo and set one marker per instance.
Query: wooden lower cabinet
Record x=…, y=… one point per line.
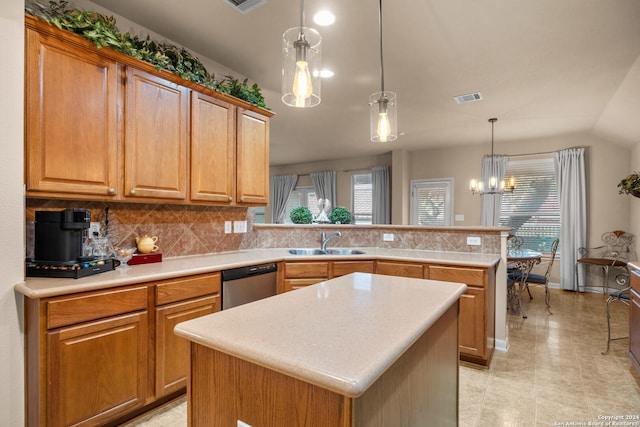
x=97, y=371
x=172, y=351
x=634, y=320
x=477, y=305
x=477, y=309
x=95, y=358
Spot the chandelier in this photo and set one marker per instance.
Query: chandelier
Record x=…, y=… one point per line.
x=479, y=187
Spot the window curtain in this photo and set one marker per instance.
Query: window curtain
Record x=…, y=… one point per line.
x=281, y=188
x=495, y=166
x=324, y=184
x=570, y=174
x=380, y=193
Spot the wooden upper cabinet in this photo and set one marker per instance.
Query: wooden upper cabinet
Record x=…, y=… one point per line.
x=212, y=149
x=252, y=158
x=71, y=129
x=156, y=137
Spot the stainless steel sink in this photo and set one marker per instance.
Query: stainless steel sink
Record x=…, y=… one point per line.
x=345, y=252
x=306, y=252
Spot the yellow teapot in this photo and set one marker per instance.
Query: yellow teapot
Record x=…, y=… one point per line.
x=146, y=244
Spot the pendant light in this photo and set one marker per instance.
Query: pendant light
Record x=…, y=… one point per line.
x=506, y=186
x=383, y=105
x=301, y=65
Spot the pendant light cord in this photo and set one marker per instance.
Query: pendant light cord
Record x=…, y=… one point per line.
x=381, y=56
x=301, y=14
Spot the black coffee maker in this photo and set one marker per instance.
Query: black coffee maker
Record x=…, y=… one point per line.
x=59, y=235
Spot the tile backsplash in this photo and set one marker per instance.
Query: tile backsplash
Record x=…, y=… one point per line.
x=181, y=230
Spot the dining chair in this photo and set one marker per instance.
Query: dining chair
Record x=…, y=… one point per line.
x=540, y=279
x=623, y=296
x=612, y=256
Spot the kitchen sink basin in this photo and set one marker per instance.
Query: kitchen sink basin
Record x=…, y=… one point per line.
x=306, y=252
x=345, y=252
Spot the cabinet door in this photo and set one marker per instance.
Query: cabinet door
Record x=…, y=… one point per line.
x=70, y=150
x=402, y=269
x=252, y=158
x=97, y=371
x=172, y=351
x=212, y=149
x=156, y=137
x=471, y=322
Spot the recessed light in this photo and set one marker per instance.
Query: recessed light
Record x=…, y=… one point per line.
x=323, y=73
x=324, y=18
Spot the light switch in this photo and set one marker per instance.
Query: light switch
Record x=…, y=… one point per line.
x=388, y=237
x=227, y=227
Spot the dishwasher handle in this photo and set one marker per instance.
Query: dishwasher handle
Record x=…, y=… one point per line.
x=252, y=270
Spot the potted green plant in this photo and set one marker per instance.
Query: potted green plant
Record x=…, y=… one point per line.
x=340, y=215
x=301, y=215
x=630, y=185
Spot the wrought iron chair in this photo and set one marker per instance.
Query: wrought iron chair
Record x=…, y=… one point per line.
x=611, y=257
x=624, y=296
x=540, y=279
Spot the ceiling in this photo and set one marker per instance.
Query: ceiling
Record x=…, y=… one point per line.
x=544, y=67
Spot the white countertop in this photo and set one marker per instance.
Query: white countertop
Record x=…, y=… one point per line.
x=341, y=334
x=36, y=287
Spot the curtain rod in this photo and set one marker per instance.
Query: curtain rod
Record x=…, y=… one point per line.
x=541, y=152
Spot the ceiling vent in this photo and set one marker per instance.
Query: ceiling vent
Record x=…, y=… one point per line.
x=468, y=97
x=245, y=6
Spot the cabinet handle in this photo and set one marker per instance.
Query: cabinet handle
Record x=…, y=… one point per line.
x=112, y=191
x=230, y=199
x=132, y=192
x=242, y=199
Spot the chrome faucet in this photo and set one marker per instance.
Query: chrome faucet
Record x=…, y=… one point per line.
x=325, y=239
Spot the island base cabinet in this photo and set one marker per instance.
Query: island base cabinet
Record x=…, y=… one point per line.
x=419, y=389
x=97, y=371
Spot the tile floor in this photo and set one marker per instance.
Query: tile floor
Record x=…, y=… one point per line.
x=553, y=374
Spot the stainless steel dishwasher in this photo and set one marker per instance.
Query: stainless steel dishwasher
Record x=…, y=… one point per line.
x=245, y=284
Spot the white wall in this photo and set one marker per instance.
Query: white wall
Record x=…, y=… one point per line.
x=12, y=213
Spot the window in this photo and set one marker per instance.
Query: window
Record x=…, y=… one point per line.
x=432, y=202
x=362, y=196
x=301, y=196
x=532, y=211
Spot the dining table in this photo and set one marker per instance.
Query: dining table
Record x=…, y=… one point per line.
x=521, y=261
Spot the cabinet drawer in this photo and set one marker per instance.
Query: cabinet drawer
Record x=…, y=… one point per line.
x=293, y=284
x=340, y=268
x=402, y=269
x=469, y=276
x=183, y=289
x=306, y=269
x=82, y=308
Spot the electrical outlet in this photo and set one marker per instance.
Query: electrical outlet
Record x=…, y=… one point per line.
x=388, y=237
x=474, y=241
x=227, y=227
x=94, y=228
x=239, y=226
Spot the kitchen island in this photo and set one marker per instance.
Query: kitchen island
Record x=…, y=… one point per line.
x=361, y=350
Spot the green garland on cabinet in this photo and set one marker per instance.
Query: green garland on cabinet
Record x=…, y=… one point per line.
x=102, y=31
